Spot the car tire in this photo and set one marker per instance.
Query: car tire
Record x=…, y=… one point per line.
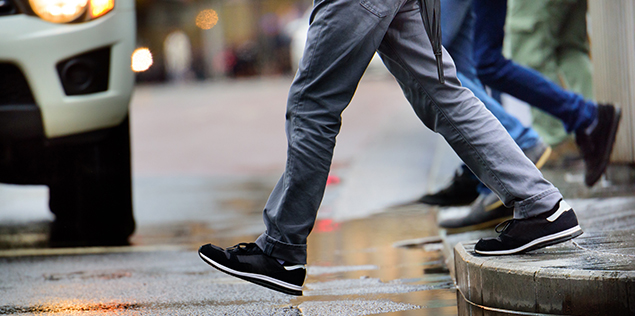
x=91, y=192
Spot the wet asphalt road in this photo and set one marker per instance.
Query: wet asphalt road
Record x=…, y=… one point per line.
x=205, y=157
x=354, y=270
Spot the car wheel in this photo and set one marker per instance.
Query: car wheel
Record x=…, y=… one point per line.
x=91, y=192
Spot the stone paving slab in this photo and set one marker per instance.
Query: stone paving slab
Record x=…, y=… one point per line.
x=593, y=274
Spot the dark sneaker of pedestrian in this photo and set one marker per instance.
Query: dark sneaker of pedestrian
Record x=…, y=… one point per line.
x=248, y=262
x=488, y=210
x=521, y=235
x=479, y=216
x=596, y=142
x=462, y=190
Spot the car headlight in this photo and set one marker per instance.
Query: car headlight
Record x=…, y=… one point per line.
x=64, y=11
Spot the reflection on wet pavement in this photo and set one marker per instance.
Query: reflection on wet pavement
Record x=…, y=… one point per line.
x=70, y=308
x=356, y=266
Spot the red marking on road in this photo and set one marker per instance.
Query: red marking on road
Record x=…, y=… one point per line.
x=332, y=180
x=326, y=225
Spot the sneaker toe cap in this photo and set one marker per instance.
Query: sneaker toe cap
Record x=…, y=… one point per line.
x=212, y=252
x=488, y=244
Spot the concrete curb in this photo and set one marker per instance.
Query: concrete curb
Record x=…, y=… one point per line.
x=543, y=282
x=593, y=274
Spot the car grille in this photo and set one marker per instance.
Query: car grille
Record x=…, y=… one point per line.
x=7, y=7
x=14, y=89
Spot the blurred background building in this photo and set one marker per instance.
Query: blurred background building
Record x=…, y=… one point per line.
x=203, y=39
x=216, y=39
x=613, y=57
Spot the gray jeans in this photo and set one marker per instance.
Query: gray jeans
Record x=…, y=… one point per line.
x=342, y=38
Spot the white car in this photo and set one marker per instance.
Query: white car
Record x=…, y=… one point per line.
x=65, y=87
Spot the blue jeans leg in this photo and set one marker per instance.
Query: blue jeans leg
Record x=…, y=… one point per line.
x=457, y=26
x=523, y=83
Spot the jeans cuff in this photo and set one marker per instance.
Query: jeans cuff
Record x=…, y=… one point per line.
x=537, y=204
x=280, y=250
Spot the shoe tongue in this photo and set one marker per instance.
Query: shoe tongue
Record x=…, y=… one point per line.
x=244, y=247
x=504, y=226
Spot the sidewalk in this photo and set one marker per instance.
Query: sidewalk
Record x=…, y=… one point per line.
x=593, y=274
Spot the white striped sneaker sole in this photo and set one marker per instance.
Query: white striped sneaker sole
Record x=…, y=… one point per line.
x=542, y=240
x=247, y=275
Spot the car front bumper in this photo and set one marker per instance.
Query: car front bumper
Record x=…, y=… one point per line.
x=37, y=47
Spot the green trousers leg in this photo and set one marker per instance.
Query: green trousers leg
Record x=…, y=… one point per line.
x=550, y=36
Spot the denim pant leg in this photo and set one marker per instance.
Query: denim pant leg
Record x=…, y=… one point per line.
x=525, y=137
x=454, y=112
x=523, y=83
x=342, y=38
x=457, y=26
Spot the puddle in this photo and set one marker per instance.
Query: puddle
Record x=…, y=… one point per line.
x=361, y=265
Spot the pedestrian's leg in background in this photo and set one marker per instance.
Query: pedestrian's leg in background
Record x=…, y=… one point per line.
x=526, y=84
x=595, y=125
x=550, y=37
x=574, y=56
x=457, y=27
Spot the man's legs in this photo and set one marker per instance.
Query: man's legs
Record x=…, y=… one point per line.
x=341, y=42
x=454, y=112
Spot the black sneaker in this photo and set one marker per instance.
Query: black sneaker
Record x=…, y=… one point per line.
x=597, y=146
x=461, y=191
x=248, y=262
x=484, y=213
x=520, y=235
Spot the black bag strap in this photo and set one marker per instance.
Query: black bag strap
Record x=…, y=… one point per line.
x=431, y=15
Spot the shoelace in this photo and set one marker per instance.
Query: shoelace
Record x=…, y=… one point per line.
x=505, y=224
